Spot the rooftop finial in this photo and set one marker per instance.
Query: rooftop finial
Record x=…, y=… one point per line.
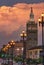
x=31, y=10
x=31, y=15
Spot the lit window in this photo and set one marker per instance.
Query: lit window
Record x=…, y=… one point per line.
x=22, y=49
x=18, y=49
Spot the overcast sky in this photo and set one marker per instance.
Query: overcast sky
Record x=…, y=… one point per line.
x=14, y=14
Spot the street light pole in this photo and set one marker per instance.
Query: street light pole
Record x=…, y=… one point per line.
x=42, y=23
x=12, y=43
x=42, y=29
x=3, y=56
x=42, y=37
x=23, y=35
x=8, y=47
x=12, y=53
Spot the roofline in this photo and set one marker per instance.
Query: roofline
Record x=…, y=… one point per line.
x=36, y=47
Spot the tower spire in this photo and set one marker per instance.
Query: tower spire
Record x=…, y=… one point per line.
x=31, y=10
x=31, y=15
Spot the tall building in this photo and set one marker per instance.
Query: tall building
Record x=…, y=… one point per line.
x=32, y=31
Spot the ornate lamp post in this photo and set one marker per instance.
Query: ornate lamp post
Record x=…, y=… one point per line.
x=42, y=23
x=23, y=36
x=3, y=56
x=7, y=48
x=12, y=44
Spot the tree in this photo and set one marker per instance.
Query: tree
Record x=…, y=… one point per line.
x=2, y=54
x=18, y=58
x=29, y=60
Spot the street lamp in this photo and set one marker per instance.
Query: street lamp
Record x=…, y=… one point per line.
x=3, y=55
x=23, y=36
x=7, y=48
x=42, y=23
x=12, y=43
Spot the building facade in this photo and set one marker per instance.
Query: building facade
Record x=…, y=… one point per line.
x=34, y=52
x=32, y=31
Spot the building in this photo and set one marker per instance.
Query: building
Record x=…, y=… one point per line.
x=18, y=49
x=34, y=52
x=32, y=31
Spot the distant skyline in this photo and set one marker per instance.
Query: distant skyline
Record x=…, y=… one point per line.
x=13, y=19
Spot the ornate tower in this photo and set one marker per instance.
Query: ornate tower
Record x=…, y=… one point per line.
x=31, y=15
x=32, y=31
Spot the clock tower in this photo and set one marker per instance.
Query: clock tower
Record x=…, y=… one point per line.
x=32, y=31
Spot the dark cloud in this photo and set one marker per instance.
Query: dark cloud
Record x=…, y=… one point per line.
x=12, y=2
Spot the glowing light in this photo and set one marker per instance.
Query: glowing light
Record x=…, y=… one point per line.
x=42, y=14
x=23, y=31
x=18, y=49
x=39, y=20
x=21, y=35
x=22, y=49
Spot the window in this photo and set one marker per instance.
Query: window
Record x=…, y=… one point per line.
x=30, y=53
x=35, y=52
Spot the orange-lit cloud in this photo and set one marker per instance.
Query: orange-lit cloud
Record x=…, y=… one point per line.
x=11, y=18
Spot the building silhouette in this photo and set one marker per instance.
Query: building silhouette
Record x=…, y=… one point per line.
x=32, y=31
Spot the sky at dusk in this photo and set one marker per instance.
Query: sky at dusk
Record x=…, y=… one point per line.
x=14, y=14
